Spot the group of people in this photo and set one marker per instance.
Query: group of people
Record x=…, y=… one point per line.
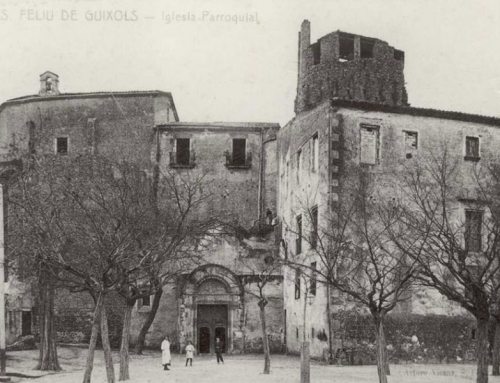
x=166, y=358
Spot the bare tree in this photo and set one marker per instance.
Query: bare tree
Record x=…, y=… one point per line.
x=450, y=213
x=99, y=225
x=352, y=242
x=261, y=272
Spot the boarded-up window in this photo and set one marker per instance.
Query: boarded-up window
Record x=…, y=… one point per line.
x=411, y=140
x=411, y=143
x=472, y=147
x=473, y=223
x=369, y=144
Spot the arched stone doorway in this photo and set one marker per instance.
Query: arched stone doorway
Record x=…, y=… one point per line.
x=211, y=306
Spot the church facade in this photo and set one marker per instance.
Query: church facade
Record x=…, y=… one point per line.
x=351, y=109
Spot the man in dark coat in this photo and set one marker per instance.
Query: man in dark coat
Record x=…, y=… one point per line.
x=218, y=350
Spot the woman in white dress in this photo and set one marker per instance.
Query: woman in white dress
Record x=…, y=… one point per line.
x=165, y=353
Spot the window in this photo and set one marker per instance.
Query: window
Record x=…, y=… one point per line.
x=474, y=273
x=312, y=289
x=366, y=47
x=312, y=332
x=399, y=55
x=297, y=284
x=239, y=151
x=316, y=48
x=297, y=332
x=314, y=227
x=183, y=151
x=314, y=153
x=411, y=143
x=26, y=322
x=298, y=240
x=62, y=146
x=48, y=85
x=369, y=144
x=346, y=47
x=471, y=148
x=146, y=301
x=473, y=223
x=299, y=165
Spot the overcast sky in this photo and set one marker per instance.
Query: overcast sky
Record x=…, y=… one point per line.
x=221, y=70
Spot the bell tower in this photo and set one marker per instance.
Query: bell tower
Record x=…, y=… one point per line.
x=49, y=84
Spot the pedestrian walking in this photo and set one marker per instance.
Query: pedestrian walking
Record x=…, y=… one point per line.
x=189, y=353
x=165, y=353
x=218, y=350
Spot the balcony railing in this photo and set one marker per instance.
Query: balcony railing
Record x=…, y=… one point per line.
x=234, y=162
x=177, y=161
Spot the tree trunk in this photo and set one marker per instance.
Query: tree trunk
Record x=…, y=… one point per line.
x=496, y=349
x=48, y=350
x=482, y=350
x=304, y=322
x=139, y=346
x=329, y=316
x=124, y=372
x=381, y=350
x=106, y=346
x=265, y=339
x=93, y=338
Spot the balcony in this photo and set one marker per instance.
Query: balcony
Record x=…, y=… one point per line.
x=238, y=162
x=182, y=160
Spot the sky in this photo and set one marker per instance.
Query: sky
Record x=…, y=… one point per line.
x=237, y=60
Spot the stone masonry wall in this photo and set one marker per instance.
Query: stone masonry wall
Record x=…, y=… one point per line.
x=325, y=73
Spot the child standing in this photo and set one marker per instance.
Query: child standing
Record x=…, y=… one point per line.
x=189, y=353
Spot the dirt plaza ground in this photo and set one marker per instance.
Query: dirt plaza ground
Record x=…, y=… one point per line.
x=237, y=369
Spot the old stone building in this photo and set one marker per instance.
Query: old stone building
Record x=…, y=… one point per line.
x=343, y=122
x=351, y=110
x=238, y=161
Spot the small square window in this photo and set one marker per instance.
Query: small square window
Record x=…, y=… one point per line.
x=146, y=301
x=62, y=146
x=471, y=148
